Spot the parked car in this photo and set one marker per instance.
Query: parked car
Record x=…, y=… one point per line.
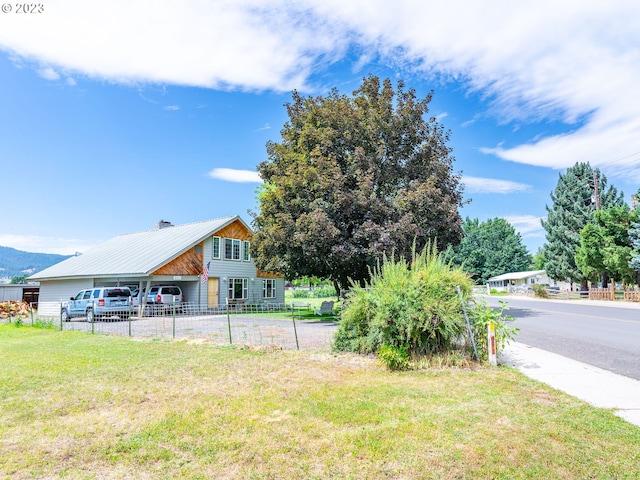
x=135, y=294
x=98, y=303
x=163, y=297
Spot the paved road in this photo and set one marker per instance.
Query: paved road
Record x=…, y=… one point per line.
x=596, y=333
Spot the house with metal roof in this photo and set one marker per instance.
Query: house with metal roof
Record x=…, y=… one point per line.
x=209, y=260
x=518, y=280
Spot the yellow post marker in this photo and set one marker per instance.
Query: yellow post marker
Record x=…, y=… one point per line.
x=491, y=344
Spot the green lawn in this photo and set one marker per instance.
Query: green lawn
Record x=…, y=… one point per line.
x=80, y=406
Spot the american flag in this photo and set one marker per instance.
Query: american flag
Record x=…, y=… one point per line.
x=205, y=273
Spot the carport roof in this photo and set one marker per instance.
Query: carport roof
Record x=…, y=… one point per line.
x=136, y=254
x=517, y=275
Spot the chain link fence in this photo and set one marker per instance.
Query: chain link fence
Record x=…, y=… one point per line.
x=286, y=326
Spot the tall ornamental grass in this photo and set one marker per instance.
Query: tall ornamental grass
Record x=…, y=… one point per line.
x=413, y=306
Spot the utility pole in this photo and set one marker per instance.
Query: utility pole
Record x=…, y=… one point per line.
x=597, y=194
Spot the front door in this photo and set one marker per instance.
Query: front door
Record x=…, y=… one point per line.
x=212, y=293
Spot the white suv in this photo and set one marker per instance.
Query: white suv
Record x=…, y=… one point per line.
x=164, y=296
x=99, y=302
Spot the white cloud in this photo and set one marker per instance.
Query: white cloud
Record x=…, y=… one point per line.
x=571, y=61
x=526, y=225
x=237, y=176
x=265, y=127
x=49, y=74
x=492, y=185
x=37, y=244
x=245, y=44
x=172, y=108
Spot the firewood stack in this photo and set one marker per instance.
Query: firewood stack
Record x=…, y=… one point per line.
x=13, y=308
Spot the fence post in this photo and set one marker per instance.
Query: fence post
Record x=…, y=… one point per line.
x=491, y=344
x=295, y=332
x=173, y=314
x=31, y=312
x=229, y=322
x=93, y=317
x=613, y=289
x=60, y=316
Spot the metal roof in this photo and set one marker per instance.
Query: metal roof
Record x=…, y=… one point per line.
x=517, y=275
x=136, y=254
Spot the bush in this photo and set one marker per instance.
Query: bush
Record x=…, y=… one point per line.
x=412, y=305
x=324, y=292
x=480, y=314
x=395, y=358
x=45, y=324
x=540, y=291
x=300, y=293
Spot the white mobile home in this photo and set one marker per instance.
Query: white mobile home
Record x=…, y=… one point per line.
x=517, y=280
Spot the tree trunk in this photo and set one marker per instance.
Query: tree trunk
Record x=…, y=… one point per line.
x=583, y=285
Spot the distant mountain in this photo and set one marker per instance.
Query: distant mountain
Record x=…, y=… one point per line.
x=16, y=262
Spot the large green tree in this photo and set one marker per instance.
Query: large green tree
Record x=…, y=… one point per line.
x=352, y=178
x=580, y=191
x=490, y=248
x=634, y=240
x=605, y=247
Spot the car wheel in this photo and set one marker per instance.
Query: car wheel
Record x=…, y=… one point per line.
x=90, y=316
x=65, y=315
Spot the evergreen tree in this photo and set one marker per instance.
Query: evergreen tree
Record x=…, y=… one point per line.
x=634, y=240
x=490, y=248
x=580, y=191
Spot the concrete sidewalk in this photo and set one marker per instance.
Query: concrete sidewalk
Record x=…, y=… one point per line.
x=594, y=385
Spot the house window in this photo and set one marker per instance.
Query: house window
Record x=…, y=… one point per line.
x=246, y=257
x=238, y=288
x=215, y=248
x=232, y=249
x=269, y=288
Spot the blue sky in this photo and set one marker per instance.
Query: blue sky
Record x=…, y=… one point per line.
x=115, y=115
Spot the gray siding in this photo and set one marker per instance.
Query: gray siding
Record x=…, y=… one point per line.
x=10, y=292
x=52, y=292
x=226, y=269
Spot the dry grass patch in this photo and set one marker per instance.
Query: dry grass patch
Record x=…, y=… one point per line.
x=74, y=405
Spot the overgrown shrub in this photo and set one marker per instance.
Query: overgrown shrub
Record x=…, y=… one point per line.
x=300, y=293
x=480, y=314
x=395, y=358
x=413, y=305
x=324, y=292
x=540, y=291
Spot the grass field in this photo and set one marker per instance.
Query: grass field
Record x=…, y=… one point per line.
x=80, y=406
